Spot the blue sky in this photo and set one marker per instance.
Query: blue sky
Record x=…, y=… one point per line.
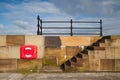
x=19, y=16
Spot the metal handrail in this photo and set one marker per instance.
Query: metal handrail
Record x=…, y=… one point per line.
x=40, y=27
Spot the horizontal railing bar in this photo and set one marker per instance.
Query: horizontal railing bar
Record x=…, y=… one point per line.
x=55, y=21
x=85, y=22
x=69, y=33
x=85, y=28
x=56, y=33
x=69, y=28
x=70, y=22
x=86, y=33
x=55, y=27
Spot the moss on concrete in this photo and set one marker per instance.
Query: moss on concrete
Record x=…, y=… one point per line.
x=29, y=66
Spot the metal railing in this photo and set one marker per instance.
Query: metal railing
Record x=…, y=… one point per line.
x=70, y=28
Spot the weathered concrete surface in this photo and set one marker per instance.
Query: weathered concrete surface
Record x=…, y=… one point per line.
x=8, y=65
x=15, y=40
x=29, y=66
x=60, y=76
x=78, y=40
x=11, y=76
x=2, y=40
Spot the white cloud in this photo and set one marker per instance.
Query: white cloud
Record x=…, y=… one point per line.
x=24, y=15
x=89, y=7
x=32, y=7
x=21, y=24
x=1, y=26
x=40, y=7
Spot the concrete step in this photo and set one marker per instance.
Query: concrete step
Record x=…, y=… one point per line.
x=110, y=43
x=51, y=69
x=79, y=55
x=84, y=52
x=104, y=45
x=95, y=48
x=67, y=66
x=76, y=61
x=102, y=40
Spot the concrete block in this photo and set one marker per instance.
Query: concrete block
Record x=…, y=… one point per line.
x=117, y=64
x=110, y=52
x=2, y=40
x=4, y=52
x=75, y=40
x=52, y=42
x=15, y=40
x=115, y=37
x=107, y=64
x=61, y=53
x=8, y=65
x=29, y=66
x=53, y=51
x=62, y=56
x=94, y=61
x=72, y=51
x=14, y=52
x=102, y=44
x=38, y=41
x=99, y=54
x=85, y=65
x=58, y=52
x=107, y=43
x=94, y=64
x=115, y=43
x=34, y=40
x=117, y=52
x=50, y=60
x=61, y=59
x=91, y=54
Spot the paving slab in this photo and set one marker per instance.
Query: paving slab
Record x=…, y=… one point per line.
x=61, y=76
x=11, y=76
x=73, y=76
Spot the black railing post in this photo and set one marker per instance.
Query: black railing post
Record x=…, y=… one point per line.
x=38, y=26
x=71, y=32
x=101, y=34
x=41, y=27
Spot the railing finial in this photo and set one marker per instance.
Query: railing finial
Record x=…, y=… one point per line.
x=38, y=25
x=101, y=34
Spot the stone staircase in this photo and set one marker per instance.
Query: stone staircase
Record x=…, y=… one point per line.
x=96, y=57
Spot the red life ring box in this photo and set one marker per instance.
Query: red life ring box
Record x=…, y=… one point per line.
x=28, y=52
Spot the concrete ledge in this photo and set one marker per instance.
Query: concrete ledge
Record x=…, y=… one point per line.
x=78, y=40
